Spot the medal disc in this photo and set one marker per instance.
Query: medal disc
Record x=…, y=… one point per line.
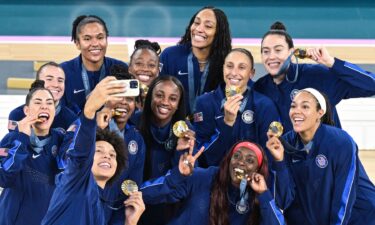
x=179, y=128
x=116, y=113
x=240, y=173
x=129, y=186
x=242, y=207
x=276, y=128
x=144, y=88
x=300, y=53
x=232, y=90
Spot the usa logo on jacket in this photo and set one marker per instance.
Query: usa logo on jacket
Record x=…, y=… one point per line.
x=321, y=161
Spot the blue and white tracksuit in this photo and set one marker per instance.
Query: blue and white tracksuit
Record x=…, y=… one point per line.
x=28, y=177
x=136, y=150
x=195, y=191
x=77, y=197
x=253, y=119
x=323, y=185
x=343, y=81
x=175, y=63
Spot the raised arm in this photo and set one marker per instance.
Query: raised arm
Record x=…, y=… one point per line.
x=354, y=81
x=175, y=185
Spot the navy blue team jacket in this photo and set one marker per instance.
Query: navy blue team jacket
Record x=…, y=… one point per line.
x=77, y=197
x=28, y=178
x=344, y=80
x=174, y=60
x=195, y=191
x=251, y=124
x=136, y=150
x=323, y=185
x=74, y=95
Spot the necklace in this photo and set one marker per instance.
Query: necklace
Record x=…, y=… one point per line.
x=203, y=62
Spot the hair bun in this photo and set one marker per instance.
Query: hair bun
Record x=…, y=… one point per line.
x=146, y=43
x=278, y=26
x=37, y=84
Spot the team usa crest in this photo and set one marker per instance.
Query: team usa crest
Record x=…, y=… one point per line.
x=321, y=161
x=133, y=147
x=248, y=116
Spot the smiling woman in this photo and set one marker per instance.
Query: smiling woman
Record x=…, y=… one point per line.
x=337, y=188
x=54, y=80
x=233, y=193
x=90, y=35
x=197, y=60
x=33, y=158
x=222, y=119
x=164, y=105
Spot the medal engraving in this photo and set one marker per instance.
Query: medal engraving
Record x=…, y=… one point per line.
x=179, y=128
x=276, y=128
x=129, y=186
x=231, y=91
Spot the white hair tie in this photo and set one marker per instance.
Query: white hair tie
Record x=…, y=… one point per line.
x=319, y=97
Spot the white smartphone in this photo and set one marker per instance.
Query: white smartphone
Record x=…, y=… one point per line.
x=132, y=87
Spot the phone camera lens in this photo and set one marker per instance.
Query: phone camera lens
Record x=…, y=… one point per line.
x=133, y=84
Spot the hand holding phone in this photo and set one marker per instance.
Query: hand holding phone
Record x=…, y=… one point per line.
x=132, y=87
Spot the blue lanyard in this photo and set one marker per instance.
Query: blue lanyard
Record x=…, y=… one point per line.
x=113, y=127
x=58, y=109
x=85, y=78
x=36, y=144
x=192, y=93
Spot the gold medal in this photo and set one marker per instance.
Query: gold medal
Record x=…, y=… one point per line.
x=276, y=128
x=116, y=113
x=240, y=173
x=129, y=186
x=232, y=90
x=144, y=88
x=179, y=128
x=301, y=53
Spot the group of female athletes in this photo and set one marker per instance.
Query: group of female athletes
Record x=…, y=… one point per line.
x=75, y=141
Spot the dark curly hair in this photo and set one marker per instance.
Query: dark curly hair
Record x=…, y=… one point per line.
x=119, y=146
x=219, y=203
x=221, y=46
x=82, y=20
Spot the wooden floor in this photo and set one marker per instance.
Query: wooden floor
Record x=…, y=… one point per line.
x=368, y=161
x=65, y=51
